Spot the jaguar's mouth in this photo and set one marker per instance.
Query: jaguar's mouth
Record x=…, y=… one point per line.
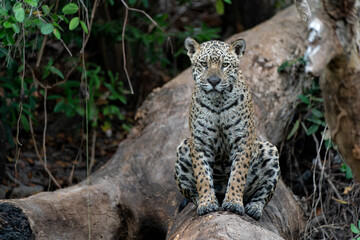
x=213, y=90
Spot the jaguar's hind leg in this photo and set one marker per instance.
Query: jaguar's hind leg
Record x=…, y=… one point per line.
x=262, y=177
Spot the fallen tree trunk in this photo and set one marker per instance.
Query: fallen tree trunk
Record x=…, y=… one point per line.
x=134, y=195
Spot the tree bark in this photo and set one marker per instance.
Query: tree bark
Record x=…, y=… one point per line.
x=333, y=53
x=134, y=195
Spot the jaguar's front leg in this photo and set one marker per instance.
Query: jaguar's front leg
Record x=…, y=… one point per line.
x=233, y=200
x=204, y=181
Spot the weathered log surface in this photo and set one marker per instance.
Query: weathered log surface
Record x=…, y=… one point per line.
x=134, y=195
x=334, y=55
x=278, y=222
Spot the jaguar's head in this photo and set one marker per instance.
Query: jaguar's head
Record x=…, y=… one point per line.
x=215, y=64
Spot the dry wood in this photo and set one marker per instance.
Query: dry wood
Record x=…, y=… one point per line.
x=134, y=195
x=333, y=53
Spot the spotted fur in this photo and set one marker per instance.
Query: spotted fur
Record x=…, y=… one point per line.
x=223, y=161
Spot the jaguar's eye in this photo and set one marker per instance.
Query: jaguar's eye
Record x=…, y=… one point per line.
x=224, y=65
x=204, y=64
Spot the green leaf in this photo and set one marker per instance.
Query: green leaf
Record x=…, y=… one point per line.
x=15, y=27
x=74, y=23
x=56, y=33
x=316, y=120
x=3, y=12
x=63, y=18
x=84, y=27
x=283, y=66
x=57, y=25
x=294, y=129
x=19, y=14
x=45, y=9
x=219, y=7
x=56, y=71
x=359, y=224
x=9, y=39
x=304, y=99
x=317, y=113
x=312, y=129
x=25, y=122
x=348, y=173
x=343, y=167
x=58, y=107
x=17, y=6
x=354, y=229
x=70, y=8
x=47, y=28
x=32, y=3
x=122, y=99
x=126, y=127
x=3, y=52
x=227, y=1
x=7, y=24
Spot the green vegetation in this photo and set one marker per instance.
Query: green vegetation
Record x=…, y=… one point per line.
x=25, y=28
x=355, y=229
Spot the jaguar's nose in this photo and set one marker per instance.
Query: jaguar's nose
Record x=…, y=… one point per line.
x=214, y=80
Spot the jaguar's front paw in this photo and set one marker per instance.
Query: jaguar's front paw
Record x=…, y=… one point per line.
x=232, y=206
x=254, y=210
x=207, y=208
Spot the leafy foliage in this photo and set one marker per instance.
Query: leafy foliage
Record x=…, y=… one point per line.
x=355, y=229
x=10, y=107
x=311, y=105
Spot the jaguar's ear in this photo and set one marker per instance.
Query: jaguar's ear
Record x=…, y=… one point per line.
x=191, y=45
x=238, y=47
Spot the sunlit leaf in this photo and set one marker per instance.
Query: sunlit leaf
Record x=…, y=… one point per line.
x=219, y=7
x=354, y=229
x=56, y=33
x=45, y=9
x=3, y=12
x=84, y=27
x=32, y=3
x=47, y=28
x=70, y=8
x=19, y=14
x=74, y=23
x=7, y=24
x=15, y=27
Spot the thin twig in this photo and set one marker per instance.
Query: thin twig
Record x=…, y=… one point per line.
x=38, y=154
x=18, y=144
x=52, y=85
x=41, y=51
x=92, y=159
x=45, y=126
x=90, y=25
x=127, y=8
x=123, y=49
x=67, y=49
